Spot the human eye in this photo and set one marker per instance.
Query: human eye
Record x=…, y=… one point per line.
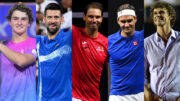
x=123, y=21
x=129, y=21
x=161, y=12
x=90, y=16
x=98, y=17
x=155, y=13
x=15, y=18
x=24, y=19
x=49, y=17
x=56, y=17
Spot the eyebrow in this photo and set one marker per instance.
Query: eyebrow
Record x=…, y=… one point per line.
x=18, y=17
x=128, y=20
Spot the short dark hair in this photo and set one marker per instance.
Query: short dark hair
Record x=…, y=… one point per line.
x=96, y=5
x=53, y=6
x=168, y=7
x=23, y=8
x=125, y=6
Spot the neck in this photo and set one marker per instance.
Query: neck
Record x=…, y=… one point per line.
x=91, y=33
x=16, y=38
x=164, y=32
x=127, y=34
x=52, y=36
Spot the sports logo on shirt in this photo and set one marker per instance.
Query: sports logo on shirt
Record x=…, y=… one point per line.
x=135, y=43
x=100, y=48
x=84, y=44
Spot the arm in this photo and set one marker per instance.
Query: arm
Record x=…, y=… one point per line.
x=147, y=94
x=17, y=58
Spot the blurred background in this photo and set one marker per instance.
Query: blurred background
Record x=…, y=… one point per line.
x=148, y=22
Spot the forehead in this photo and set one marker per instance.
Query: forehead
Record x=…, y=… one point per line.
x=126, y=17
x=18, y=13
x=94, y=11
x=160, y=9
x=53, y=13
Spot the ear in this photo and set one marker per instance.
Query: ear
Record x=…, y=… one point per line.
x=84, y=17
x=62, y=19
x=170, y=17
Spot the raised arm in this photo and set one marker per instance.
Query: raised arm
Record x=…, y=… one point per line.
x=19, y=59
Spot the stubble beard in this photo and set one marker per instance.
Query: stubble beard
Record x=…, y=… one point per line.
x=53, y=31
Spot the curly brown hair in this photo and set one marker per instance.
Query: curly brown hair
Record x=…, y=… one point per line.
x=168, y=7
x=23, y=8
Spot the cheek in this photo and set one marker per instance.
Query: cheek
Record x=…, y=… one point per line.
x=25, y=22
x=12, y=23
x=100, y=20
x=121, y=24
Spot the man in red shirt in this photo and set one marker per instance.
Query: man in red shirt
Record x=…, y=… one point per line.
x=89, y=53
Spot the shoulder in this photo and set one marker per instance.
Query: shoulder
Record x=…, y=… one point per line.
x=67, y=35
x=149, y=38
x=102, y=36
x=40, y=37
x=149, y=41
x=66, y=32
x=139, y=33
x=177, y=33
x=32, y=39
x=113, y=36
x=75, y=28
x=103, y=39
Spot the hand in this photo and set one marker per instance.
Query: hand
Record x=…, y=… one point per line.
x=156, y=98
x=148, y=96
x=178, y=99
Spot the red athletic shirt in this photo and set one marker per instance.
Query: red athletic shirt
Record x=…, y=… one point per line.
x=88, y=56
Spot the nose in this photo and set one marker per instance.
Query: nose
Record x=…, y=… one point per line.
x=126, y=24
x=53, y=20
x=19, y=21
x=94, y=19
x=158, y=14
